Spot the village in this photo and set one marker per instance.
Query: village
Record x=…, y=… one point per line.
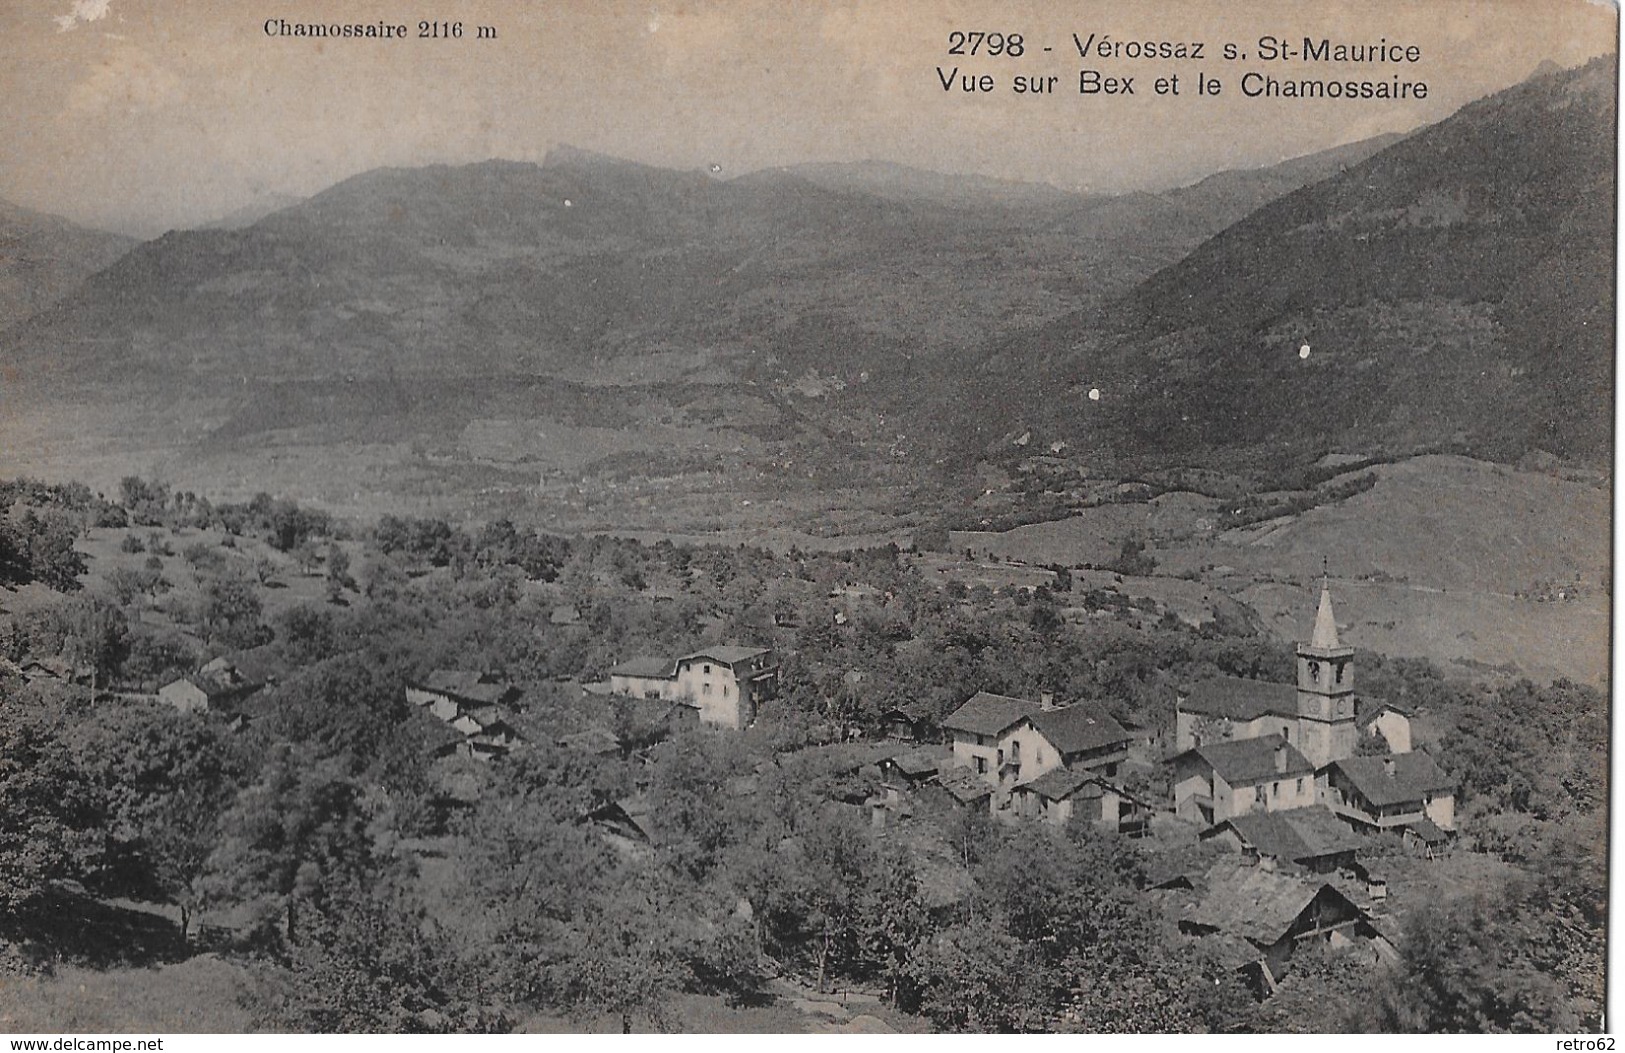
x=1289, y=779
x=824, y=772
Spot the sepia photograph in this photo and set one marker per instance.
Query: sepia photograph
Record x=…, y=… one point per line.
x=846, y=518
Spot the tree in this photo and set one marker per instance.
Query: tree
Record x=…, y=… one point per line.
x=975, y=978
x=1469, y=968
x=165, y=778
x=373, y=961
x=288, y=835
x=338, y=572
x=97, y=638
x=229, y=612
x=620, y=957
x=53, y=821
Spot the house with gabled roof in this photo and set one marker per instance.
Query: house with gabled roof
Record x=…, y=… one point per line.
x=911, y=722
x=1394, y=792
x=913, y=768
x=1009, y=741
x=1257, y=917
x=218, y=686
x=977, y=727
x=1065, y=795
x=961, y=788
x=1392, y=723
x=473, y=704
x=1311, y=838
x=452, y=693
x=1214, y=782
x=724, y=682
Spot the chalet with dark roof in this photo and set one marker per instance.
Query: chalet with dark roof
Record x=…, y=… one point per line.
x=911, y=722
x=961, y=788
x=907, y=771
x=1215, y=782
x=1391, y=792
x=1063, y=795
x=1257, y=918
x=1311, y=838
x=473, y=704
x=452, y=693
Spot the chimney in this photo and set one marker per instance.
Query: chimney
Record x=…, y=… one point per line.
x=1280, y=756
x=1388, y=766
x=1046, y=700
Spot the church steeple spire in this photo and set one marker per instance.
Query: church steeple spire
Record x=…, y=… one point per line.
x=1325, y=634
x=1325, y=688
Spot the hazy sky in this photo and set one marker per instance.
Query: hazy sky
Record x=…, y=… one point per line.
x=147, y=114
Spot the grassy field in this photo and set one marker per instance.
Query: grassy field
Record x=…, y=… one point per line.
x=197, y=996
x=1428, y=563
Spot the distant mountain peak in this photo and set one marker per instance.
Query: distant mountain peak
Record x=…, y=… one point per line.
x=564, y=155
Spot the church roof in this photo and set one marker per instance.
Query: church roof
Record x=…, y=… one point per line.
x=1237, y=699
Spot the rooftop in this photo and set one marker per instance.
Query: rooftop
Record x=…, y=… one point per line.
x=1252, y=901
x=643, y=665
x=1324, y=637
x=1077, y=728
x=963, y=785
x=1058, y=784
x=985, y=713
x=482, y=688
x=1245, y=762
x=1237, y=699
x=1414, y=776
x=922, y=761
x=1293, y=835
x=727, y=655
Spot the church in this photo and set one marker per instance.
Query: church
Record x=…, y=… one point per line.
x=1315, y=716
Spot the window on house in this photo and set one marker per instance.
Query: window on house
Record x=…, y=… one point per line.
x=1040, y=755
x=1300, y=784
x=707, y=670
x=981, y=765
x=705, y=689
x=1275, y=789
x=724, y=690
x=1015, y=751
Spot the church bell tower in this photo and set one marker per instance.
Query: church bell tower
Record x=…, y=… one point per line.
x=1326, y=730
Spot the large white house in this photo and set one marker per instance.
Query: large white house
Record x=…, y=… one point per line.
x=725, y=684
